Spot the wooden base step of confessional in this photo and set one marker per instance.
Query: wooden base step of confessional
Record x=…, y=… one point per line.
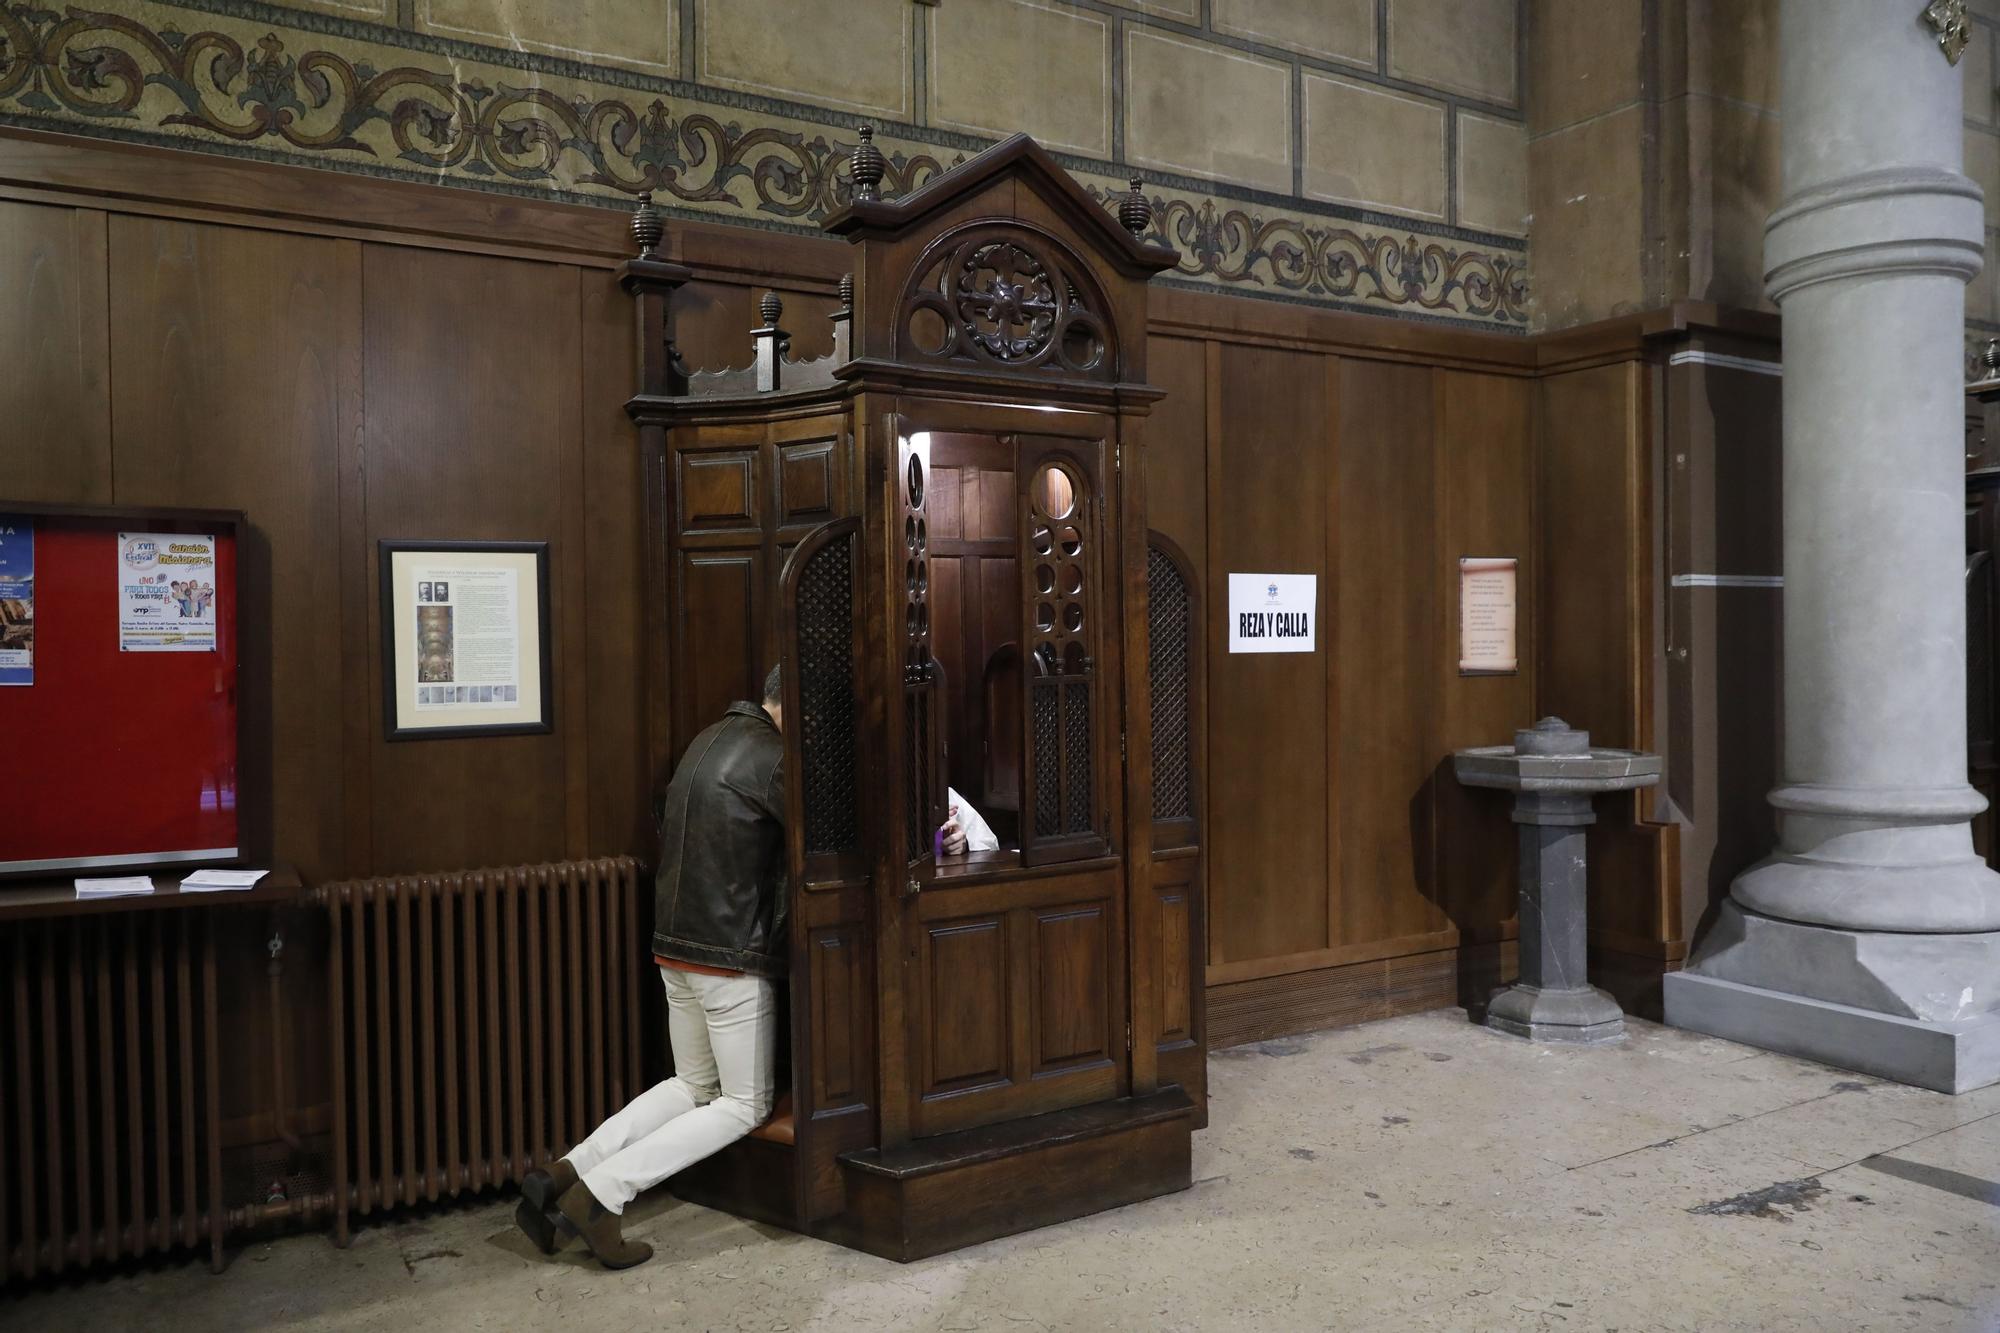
x=933, y=1195
x=752, y=1177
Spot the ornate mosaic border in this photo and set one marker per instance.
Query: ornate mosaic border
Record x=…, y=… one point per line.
x=293, y=87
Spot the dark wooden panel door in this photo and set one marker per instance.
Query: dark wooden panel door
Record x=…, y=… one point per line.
x=1017, y=996
x=1062, y=630
x=1177, y=711
x=1016, y=978
x=923, y=782
x=832, y=991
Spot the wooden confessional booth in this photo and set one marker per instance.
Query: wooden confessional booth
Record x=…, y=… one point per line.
x=940, y=530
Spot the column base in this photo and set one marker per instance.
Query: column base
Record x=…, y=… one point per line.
x=1944, y=1057
x=1582, y=1016
x=1960, y=896
x=1918, y=1008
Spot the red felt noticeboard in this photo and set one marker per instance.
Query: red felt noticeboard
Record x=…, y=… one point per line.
x=118, y=759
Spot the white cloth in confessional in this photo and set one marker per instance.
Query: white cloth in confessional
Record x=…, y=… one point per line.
x=978, y=834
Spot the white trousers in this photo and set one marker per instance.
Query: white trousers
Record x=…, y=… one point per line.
x=723, y=1030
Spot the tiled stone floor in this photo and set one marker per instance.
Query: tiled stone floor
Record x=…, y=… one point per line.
x=1418, y=1173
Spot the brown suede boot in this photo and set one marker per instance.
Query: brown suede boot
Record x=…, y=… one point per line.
x=582, y=1215
x=536, y=1213
x=545, y=1188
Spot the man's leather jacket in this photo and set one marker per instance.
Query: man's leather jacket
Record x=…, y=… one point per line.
x=720, y=898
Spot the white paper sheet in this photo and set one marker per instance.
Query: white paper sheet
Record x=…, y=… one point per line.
x=115, y=887
x=221, y=881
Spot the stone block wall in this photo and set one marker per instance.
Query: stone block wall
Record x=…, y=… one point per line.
x=1364, y=154
x=1653, y=154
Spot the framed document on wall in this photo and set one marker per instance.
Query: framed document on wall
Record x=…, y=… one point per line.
x=465, y=639
x=1488, y=615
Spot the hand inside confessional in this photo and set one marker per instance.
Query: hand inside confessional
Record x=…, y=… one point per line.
x=954, y=835
x=965, y=829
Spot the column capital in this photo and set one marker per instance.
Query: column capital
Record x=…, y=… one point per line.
x=1907, y=219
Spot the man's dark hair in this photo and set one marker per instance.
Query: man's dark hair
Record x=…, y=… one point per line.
x=774, y=688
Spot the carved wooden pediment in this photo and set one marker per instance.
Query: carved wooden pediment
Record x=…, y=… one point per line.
x=1016, y=159
x=1002, y=265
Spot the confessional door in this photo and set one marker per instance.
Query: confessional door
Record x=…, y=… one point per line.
x=1015, y=976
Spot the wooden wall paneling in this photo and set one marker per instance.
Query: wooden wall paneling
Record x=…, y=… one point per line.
x=974, y=608
x=1586, y=675
x=1211, y=638
x=1486, y=483
x=1176, y=446
x=712, y=323
x=956, y=639
x=1724, y=664
x=1176, y=916
x=1597, y=641
x=999, y=594
x=954, y=634
x=806, y=318
x=720, y=639
x=964, y=961
x=55, y=394
x=619, y=773
x=1267, y=840
x=944, y=491
x=569, y=581
x=234, y=351
x=360, y=658
x=811, y=486
x=238, y=373
x=1071, y=1015
x=1190, y=313
x=1176, y=473
x=1388, y=648
x=463, y=442
x=197, y=186
x=1332, y=622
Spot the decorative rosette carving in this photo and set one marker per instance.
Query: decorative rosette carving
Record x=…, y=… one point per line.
x=1006, y=296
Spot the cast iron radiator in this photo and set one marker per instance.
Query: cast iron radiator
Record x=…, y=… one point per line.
x=109, y=1096
x=484, y=1021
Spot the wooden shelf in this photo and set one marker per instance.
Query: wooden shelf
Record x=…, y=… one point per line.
x=30, y=899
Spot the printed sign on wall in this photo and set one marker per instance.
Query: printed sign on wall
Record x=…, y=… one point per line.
x=166, y=592
x=1487, y=610
x=1273, y=613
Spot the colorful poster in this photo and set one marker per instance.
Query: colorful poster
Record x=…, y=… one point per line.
x=17, y=600
x=166, y=592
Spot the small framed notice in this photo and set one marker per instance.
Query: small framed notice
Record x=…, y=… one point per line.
x=1487, y=616
x=1273, y=613
x=465, y=639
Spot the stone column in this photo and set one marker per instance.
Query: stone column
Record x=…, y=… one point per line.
x=1868, y=938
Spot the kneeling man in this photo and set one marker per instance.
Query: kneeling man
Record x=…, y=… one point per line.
x=719, y=937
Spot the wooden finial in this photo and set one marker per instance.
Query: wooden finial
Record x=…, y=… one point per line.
x=1135, y=211
x=647, y=228
x=867, y=167
x=770, y=307
x=1989, y=357
x=847, y=291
